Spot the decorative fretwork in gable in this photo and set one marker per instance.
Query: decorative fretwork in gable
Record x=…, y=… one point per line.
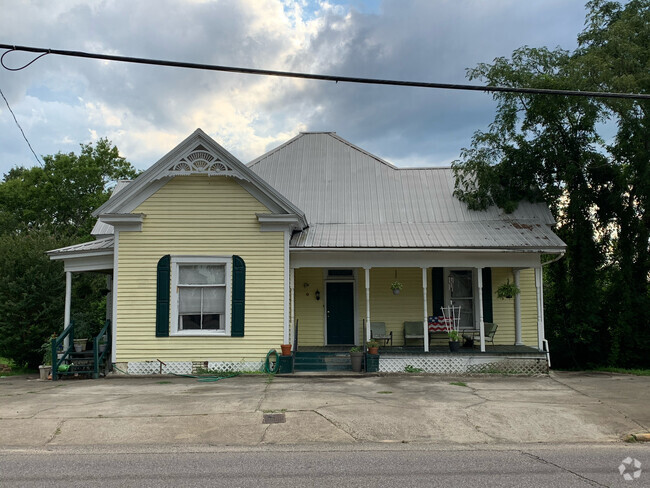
x=201, y=160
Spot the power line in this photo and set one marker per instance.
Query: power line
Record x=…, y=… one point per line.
x=21, y=129
x=309, y=76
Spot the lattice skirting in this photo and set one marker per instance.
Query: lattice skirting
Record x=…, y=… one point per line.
x=187, y=367
x=154, y=367
x=466, y=365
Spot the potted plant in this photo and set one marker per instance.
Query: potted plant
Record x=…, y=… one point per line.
x=102, y=343
x=356, y=357
x=454, y=340
x=396, y=286
x=507, y=290
x=373, y=347
x=45, y=369
x=81, y=335
x=286, y=349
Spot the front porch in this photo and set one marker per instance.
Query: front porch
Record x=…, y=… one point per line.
x=503, y=359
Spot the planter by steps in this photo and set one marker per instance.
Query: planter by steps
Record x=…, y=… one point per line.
x=357, y=360
x=44, y=371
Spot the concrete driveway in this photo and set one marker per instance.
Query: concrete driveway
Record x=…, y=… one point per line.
x=561, y=408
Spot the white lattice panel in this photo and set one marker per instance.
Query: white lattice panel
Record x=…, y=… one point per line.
x=154, y=367
x=452, y=364
x=232, y=366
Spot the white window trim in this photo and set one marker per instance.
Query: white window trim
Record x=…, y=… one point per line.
x=180, y=260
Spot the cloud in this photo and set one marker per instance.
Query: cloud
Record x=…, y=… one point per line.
x=147, y=110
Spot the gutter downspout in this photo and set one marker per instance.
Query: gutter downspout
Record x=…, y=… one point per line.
x=544, y=341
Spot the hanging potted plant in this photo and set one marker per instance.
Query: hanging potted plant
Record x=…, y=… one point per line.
x=396, y=286
x=507, y=290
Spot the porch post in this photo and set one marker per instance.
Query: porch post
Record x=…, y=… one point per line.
x=367, y=280
x=539, y=286
x=68, y=303
x=518, y=341
x=292, y=311
x=425, y=323
x=287, y=320
x=481, y=324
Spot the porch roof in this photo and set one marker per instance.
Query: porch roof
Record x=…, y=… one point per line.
x=104, y=246
x=501, y=234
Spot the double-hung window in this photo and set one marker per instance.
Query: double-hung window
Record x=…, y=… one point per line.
x=201, y=295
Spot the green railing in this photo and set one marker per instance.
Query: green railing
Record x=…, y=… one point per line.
x=59, y=341
x=98, y=356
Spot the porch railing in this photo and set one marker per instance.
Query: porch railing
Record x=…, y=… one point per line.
x=58, y=342
x=98, y=356
x=295, y=338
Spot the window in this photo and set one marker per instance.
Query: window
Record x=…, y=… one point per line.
x=201, y=295
x=461, y=292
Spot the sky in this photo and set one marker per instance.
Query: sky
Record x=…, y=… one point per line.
x=61, y=102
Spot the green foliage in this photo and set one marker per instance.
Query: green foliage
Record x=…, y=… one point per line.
x=507, y=290
x=44, y=208
x=412, y=369
x=548, y=148
x=453, y=336
x=31, y=295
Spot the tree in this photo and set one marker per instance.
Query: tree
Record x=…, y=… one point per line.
x=43, y=209
x=61, y=196
x=548, y=148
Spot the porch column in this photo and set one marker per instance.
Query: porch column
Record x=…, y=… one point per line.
x=287, y=319
x=518, y=341
x=425, y=323
x=292, y=311
x=68, y=304
x=539, y=286
x=481, y=324
x=367, y=280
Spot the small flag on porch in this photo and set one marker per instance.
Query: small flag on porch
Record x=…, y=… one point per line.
x=438, y=323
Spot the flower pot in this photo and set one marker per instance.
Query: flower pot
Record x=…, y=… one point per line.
x=102, y=348
x=373, y=350
x=80, y=345
x=286, y=349
x=357, y=359
x=44, y=371
x=396, y=291
x=454, y=346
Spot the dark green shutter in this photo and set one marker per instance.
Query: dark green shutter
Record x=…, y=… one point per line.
x=438, y=290
x=238, y=296
x=162, y=296
x=487, y=295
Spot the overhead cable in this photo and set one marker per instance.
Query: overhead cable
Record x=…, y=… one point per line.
x=309, y=76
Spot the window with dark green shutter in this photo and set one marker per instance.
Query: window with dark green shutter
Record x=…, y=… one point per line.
x=238, y=296
x=162, y=296
x=438, y=290
x=487, y=295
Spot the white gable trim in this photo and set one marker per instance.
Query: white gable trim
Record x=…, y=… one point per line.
x=197, y=154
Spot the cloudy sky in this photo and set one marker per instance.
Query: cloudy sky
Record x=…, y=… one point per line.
x=145, y=110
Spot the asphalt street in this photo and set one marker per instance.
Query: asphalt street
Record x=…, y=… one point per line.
x=331, y=465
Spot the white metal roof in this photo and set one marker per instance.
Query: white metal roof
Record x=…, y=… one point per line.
x=102, y=229
x=105, y=244
x=354, y=199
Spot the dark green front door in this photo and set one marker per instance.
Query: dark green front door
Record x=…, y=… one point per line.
x=340, y=313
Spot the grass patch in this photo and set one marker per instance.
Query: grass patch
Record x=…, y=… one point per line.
x=163, y=382
x=282, y=410
x=412, y=369
x=15, y=370
x=384, y=392
x=635, y=372
x=458, y=383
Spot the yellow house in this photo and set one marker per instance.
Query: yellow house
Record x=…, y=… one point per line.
x=317, y=244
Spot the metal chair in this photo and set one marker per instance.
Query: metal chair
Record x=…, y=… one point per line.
x=378, y=332
x=413, y=330
x=490, y=329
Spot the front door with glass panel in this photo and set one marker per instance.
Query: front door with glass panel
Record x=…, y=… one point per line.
x=340, y=313
x=461, y=292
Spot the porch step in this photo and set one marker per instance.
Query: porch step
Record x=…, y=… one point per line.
x=322, y=361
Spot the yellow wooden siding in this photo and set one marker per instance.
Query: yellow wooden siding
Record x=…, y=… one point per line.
x=504, y=310
x=199, y=215
x=307, y=309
